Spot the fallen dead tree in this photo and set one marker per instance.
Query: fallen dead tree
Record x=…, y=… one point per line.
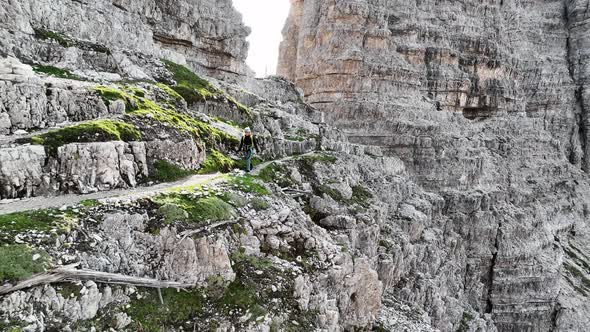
x=70, y=273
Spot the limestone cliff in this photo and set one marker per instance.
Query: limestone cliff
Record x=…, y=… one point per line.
x=486, y=102
x=207, y=35
x=453, y=197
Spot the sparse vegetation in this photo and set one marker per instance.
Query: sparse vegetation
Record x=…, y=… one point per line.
x=276, y=173
x=217, y=162
x=179, y=308
x=259, y=204
x=464, y=325
x=66, y=41
x=17, y=262
x=165, y=171
x=196, y=89
x=361, y=196
x=199, y=209
x=142, y=107
x=575, y=272
x=61, y=39
x=14, y=223
x=307, y=162
x=91, y=131
x=189, y=85
x=249, y=184
x=54, y=71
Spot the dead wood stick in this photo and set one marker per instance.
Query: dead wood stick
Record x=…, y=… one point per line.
x=69, y=273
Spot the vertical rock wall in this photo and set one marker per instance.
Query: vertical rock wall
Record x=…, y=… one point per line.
x=486, y=103
x=207, y=35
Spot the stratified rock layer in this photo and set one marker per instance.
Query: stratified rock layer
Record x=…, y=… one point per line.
x=486, y=102
x=121, y=36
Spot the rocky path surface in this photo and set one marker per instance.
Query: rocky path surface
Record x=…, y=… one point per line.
x=36, y=203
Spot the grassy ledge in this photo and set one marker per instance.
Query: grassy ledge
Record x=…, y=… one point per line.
x=138, y=105
x=56, y=72
x=248, y=184
x=196, y=89
x=91, y=131
x=217, y=162
x=61, y=39
x=198, y=209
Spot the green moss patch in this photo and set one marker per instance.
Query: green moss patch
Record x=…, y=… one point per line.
x=61, y=39
x=90, y=203
x=276, y=173
x=54, y=71
x=199, y=209
x=361, y=196
x=249, y=184
x=234, y=199
x=137, y=105
x=189, y=85
x=172, y=213
x=179, y=308
x=217, y=162
x=196, y=89
x=14, y=223
x=66, y=41
x=165, y=171
x=92, y=131
x=259, y=204
x=16, y=262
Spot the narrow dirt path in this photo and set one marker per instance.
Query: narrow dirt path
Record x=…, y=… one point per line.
x=36, y=203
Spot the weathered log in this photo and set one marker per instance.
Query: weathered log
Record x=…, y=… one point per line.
x=70, y=273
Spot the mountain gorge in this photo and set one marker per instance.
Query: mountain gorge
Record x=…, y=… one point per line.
x=424, y=167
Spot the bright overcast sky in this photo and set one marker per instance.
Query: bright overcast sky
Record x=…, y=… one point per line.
x=266, y=19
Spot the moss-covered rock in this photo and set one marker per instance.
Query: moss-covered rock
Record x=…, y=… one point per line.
x=15, y=223
x=139, y=106
x=276, y=173
x=196, y=89
x=57, y=72
x=248, y=184
x=217, y=162
x=60, y=38
x=91, y=131
x=189, y=85
x=199, y=209
x=259, y=204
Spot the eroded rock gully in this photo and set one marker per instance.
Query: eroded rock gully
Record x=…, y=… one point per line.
x=446, y=190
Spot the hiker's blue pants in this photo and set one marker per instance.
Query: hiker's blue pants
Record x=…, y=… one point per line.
x=248, y=157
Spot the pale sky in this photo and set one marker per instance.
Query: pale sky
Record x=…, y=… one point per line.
x=266, y=19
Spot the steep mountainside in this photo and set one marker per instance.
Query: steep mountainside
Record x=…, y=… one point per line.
x=436, y=181
x=486, y=102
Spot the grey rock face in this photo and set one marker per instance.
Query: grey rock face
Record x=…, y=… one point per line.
x=116, y=36
x=29, y=102
x=21, y=171
x=486, y=105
